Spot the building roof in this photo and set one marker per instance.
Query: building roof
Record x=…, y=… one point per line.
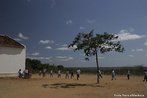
x=6, y=41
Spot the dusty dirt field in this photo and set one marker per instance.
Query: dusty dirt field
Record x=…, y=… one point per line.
x=86, y=87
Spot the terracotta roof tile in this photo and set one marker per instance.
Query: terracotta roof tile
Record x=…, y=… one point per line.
x=6, y=41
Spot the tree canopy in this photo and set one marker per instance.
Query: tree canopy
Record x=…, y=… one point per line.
x=92, y=44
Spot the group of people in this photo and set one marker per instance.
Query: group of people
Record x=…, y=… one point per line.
x=67, y=73
x=128, y=75
x=67, y=76
x=42, y=72
x=25, y=74
x=114, y=75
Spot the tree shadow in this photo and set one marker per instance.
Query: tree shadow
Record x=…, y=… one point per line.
x=69, y=85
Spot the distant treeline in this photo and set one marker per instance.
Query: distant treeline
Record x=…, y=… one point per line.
x=135, y=70
x=35, y=66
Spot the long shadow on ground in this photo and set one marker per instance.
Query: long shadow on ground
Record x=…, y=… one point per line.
x=69, y=85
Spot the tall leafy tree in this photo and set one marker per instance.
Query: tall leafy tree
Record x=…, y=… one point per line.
x=92, y=45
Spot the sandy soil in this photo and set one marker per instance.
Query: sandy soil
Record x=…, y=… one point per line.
x=86, y=87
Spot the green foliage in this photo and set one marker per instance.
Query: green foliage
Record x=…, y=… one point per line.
x=90, y=43
x=60, y=67
x=36, y=65
x=33, y=64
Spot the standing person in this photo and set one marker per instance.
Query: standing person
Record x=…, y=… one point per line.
x=59, y=74
x=100, y=74
x=67, y=74
x=40, y=72
x=44, y=72
x=51, y=73
x=78, y=74
x=113, y=75
x=26, y=73
x=71, y=74
x=23, y=74
x=145, y=76
x=128, y=74
x=20, y=73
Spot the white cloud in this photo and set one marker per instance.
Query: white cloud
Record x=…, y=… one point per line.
x=101, y=57
x=35, y=54
x=17, y=39
x=125, y=35
x=145, y=43
x=40, y=58
x=60, y=57
x=20, y=35
x=73, y=47
x=131, y=56
x=63, y=48
x=44, y=58
x=48, y=58
x=91, y=21
x=69, y=22
x=64, y=45
x=137, y=50
x=46, y=42
x=64, y=58
x=33, y=57
x=82, y=28
x=48, y=47
x=133, y=50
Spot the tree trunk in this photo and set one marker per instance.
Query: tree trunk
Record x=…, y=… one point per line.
x=98, y=76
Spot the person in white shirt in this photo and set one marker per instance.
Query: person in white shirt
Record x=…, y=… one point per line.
x=27, y=73
x=78, y=74
x=51, y=73
x=100, y=74
x=20, y=73
x=113, y=75
x=44, y=72
x=67, y=74
x=59, y=74
x=128, y=74
x=145, y=76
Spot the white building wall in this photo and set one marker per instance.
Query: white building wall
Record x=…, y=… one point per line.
x=11, y=60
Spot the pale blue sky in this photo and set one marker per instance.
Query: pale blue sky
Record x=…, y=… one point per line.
x=47, y=26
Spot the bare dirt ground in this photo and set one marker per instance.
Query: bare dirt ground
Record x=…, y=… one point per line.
x=86, y=87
